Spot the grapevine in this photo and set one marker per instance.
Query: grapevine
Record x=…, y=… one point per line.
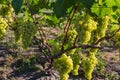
x=84, y=24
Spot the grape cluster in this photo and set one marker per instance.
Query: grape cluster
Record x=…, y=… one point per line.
x=102, y=27
x=63, y=65
x=70, y=40
x=85, y=28
x=3, y=26
x=90, y=62
x=18, y=29
x=76, y=61
x=24, y=31
x=88, y=65
x=6, y=11
x=116, y=39
x=29, y=31
x=71, y=36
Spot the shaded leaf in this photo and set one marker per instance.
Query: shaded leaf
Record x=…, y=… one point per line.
x=61, y=7
x=16, y=4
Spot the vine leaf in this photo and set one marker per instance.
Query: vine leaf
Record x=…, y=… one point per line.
x=117, y=2
x=110, y=3
x=61, y=7
x=87, y=3
x=16, y=4
x=100, y=10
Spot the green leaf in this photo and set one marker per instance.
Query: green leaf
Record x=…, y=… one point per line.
x=105, y=11
x=95, y=9
x=87, y=3
x=61, y=7
x=109, y=3
x=117, y=3
x=16, y=4
x=100, y=10
x=52, y=20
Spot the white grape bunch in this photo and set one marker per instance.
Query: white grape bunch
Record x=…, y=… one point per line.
x=24, y=32
x=84, y=28
x=76, y=63
x=3, y=27
x=63, y=65
x=88, y=64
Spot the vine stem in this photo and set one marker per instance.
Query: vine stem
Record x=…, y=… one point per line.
x=107, y=37
x=73, y=47
x=67, y=26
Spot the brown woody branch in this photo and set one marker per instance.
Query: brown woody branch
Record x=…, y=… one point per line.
x=73, y=47
x=67, y=26
x=107, y=37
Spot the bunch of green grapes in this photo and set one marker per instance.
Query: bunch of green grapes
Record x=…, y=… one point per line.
x=85, y=28
x=9, y=16
x=70, y=40
x=76, y=61
x=3, y=26
x=24, y=31
x=71, y=36
x=88, y=64
x=116, y=39
x=103, y=26
x=18, y=29
x=29, y=30
x=63, y=65
x=6, y=11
